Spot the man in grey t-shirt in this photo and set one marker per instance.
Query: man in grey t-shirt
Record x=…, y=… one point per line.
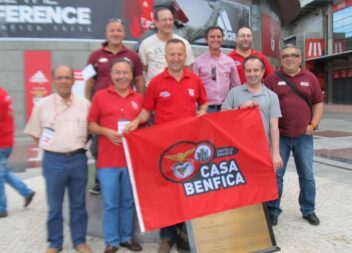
x=254, y=93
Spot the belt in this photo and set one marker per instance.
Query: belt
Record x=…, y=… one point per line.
x=71, y=153
x=217, y=107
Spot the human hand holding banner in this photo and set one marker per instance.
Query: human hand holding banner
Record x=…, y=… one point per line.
x=199, y=166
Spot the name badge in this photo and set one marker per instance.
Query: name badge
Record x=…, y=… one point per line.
x=47, y=138
x=281, y=83
x=306, y=84
x=121, y=124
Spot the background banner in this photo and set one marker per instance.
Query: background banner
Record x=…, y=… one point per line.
x=86, y=19
x=199, y=166
x=37, y=77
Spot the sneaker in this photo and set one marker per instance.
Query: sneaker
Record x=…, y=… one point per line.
x=165, y=246
x=3, y=214
x=95, y=190
x=28, y=199
x=312, y=219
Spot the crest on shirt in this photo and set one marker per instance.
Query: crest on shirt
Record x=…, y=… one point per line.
x=191, y=92
x=103, y=60
x=134, y=105
x=281, y=83
x=164, y=94
x=237, y=63
x=306, y=84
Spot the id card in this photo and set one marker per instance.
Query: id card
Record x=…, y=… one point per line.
x=121, y=124
x=47, y=137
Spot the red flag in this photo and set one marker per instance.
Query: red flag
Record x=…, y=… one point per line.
x=199, y=166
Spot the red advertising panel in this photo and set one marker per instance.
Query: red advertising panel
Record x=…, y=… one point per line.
x=314, y=48
x=199, y=166
x=37, y=77
x=342, y=5
x=270, y=36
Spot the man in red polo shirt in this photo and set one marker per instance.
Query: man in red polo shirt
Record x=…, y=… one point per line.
x=101, y=60
x=111, y=110
x=173, y=94
x=244, y=49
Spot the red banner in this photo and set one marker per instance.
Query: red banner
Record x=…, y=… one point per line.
x=199, y=166
x=270, y=36
x=37, y=77
x=314, y=48
x=342, y=5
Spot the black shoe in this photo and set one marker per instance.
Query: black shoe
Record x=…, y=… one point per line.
x=3, y=214
x=28, y=199
x=95, y=190
x=273, y=220
x=110, y=249
x=131, y=245
x=312, y=219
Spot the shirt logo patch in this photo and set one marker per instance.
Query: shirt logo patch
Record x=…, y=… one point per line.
x=306, y=84
x=281, y=83
x=134, y=105
x=164, y=94
x=191, y=92
x=237, y=63
x=102, y=60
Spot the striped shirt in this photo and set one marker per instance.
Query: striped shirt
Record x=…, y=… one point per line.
x=67, y=119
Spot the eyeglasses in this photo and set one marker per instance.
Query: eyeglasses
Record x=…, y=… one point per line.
x=59, y=78
x=286, y=56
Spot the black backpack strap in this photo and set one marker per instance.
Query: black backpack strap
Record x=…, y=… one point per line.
x=295, y=90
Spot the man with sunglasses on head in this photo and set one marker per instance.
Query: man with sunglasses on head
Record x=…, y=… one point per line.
x=217, y=71
x=101, y=60
x=301, y=103
x=244, y=49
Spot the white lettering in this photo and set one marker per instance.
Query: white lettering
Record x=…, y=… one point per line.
x=189, y=188
x=45, y=14
x=204, y=171
x=239, y=179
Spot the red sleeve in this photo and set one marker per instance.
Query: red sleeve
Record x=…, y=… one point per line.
x=202, y=93
x=150, y=97
x=317, y=95
x=4, y=106
x=93, y=115
x=268, y=67
x=138, y=67
x=268, y=81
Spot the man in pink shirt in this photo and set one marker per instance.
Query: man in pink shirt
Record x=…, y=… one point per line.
x=217, y=71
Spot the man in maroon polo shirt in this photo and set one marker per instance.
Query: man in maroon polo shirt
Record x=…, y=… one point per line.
x=101, y=60
x=111, y=110
x=244, y=49
x=173, y=94
x=299, y=120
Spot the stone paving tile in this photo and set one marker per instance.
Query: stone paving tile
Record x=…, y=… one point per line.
x=341, y=155
x=24, y=230
x=332, y=133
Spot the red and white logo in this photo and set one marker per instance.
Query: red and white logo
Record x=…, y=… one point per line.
x=314, y=48
x=38, y=77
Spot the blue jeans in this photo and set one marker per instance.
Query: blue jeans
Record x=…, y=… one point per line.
x=62, y=171
x=7, y=176
x=116, y=190
x=302, y=150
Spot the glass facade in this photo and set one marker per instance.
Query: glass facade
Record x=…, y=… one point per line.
x=342, y=29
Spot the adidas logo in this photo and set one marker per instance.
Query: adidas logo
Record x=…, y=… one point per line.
x=314, y=49
x=224, y=23
x=38, y=77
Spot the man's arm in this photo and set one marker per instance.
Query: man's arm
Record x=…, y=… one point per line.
x=111, y=134
x=275, y=143
x=88, y=89
x=202, y=109
x=139, y=81
x=318, y=110
x=142, y=117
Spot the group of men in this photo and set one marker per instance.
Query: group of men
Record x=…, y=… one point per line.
x=176, y=86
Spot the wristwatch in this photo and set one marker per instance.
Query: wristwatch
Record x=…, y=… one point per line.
x=314, y=126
